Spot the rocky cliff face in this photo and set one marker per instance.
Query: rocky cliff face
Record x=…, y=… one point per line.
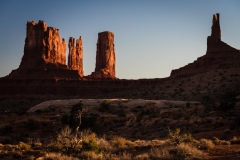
x=105, y=57
x=219, y=55
x=43, y=43
x=44, y=55
x=75, y=56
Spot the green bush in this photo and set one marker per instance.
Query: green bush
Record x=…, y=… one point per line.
x=91, y=145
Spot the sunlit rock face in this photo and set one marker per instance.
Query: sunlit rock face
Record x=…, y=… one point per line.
x=75, y=56
x=105, y=57
x=219, y=55
x=44, y=55
x=43, y=43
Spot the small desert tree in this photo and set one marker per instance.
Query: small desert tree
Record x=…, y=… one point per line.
x=74, y=120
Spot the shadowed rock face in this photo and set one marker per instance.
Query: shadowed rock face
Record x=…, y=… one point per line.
x=105, y=58
x=219, y=55
x=75, y=56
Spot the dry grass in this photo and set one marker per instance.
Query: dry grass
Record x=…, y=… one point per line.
x=182, y=151
x=58, y=156
x=217, y=141
x=206, y=144
x=235, y=140
x=121, y=142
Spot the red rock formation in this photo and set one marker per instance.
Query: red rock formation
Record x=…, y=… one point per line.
x=75, y=56
x=219, y=55
x=43, y=43
x=105, y=57
x=44, y=55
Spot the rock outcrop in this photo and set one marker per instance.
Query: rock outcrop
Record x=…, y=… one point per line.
x=75, y=56
x=43, y=43
x=219, y=55
x=105, y=57
x=44, y=55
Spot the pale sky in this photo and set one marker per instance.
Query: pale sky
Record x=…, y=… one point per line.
x=152, y=37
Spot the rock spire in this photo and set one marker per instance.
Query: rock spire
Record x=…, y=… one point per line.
x=105, y=56
x=216, y=30
x=75, y=56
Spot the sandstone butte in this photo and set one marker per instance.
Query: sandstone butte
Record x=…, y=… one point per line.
x=45, y=56
x=43, y=69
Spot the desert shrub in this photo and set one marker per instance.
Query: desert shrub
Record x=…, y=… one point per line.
x=176, y=138
x=7, y=129
x=143, y=156
x=160, y=153
x=125, y=155
x=215, y=140
x=181, y=152
x=206, y=144
x=104, y=106
x=235, y=140
x=74, y=120
x=90, y=155
x=121, y=142
x=185, y=151
x=69, y=141
x=24, y=146
x=54, y=146
x=58, y=156
x=35, y=143
x=105, y=145
x=91, y=145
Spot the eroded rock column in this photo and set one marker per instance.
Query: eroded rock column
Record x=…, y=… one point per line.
x=75, y=56
x=105, y=57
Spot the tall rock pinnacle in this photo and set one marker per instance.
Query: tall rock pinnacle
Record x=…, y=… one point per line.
x=216, y=30
x=75, y=57
x=214, y=42
x=105, y=57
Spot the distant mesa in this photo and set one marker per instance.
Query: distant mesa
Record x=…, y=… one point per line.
x=219, y=55
x=45, y=55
